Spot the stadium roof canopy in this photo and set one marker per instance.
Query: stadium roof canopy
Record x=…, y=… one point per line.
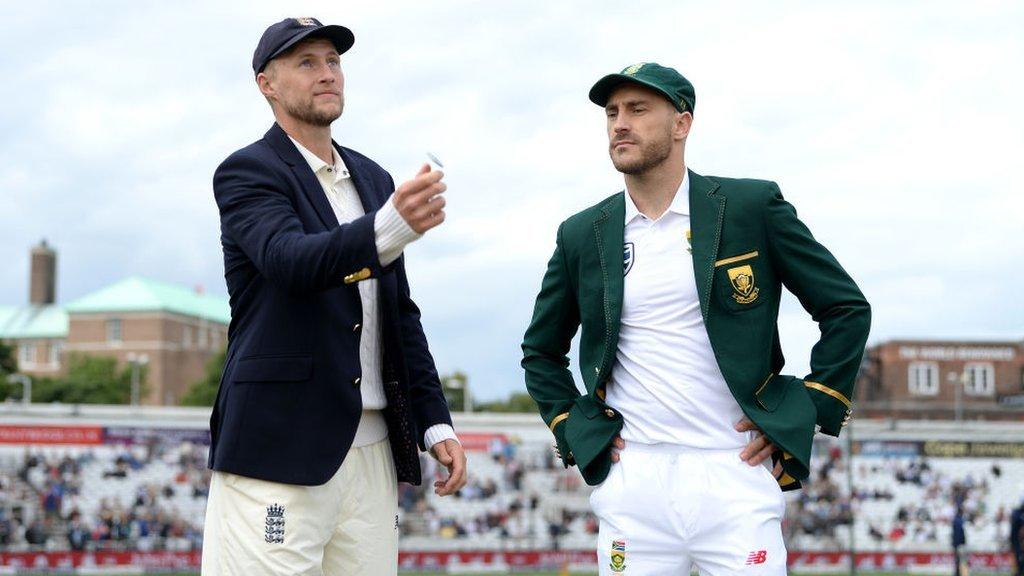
x=50, y=321
x=136, y=294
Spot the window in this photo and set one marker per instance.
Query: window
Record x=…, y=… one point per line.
x=55, y=351
x=215, y=339
x=204, y=335
x=114, y=331
x=27, y=353
x=980, y=379
x=186, y=336
x=923, y=378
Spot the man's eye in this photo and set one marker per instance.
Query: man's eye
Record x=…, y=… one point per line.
x=306, y=63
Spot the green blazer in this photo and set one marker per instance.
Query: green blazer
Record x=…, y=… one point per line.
x=747, y=242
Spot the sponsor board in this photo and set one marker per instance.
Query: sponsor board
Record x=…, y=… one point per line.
x=99, y=435
x=816, y=562
x=939, y=449
x=55, y=435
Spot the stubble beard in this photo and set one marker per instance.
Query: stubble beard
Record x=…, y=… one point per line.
x=307, y=112
x=652, y=154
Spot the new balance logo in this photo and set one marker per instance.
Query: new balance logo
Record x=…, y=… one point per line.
x=273, y=532
x=757, y=557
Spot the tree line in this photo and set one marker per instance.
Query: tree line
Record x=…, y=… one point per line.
x=91, y=379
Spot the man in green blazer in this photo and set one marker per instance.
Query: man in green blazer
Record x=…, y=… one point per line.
x=679, y=349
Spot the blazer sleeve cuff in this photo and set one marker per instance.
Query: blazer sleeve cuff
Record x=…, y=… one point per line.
x=834, y=407
x=393, y=233
x=439, y=433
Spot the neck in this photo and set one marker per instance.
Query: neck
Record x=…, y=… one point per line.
x=316, y=139
x=654, y=190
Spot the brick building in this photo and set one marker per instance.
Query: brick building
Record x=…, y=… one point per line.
x=175, y=329
x=943, y=380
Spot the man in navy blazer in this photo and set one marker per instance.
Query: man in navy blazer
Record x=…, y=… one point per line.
x=329, y=391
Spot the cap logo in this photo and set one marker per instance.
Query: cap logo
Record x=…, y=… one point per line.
x=306, y=21
x=633, y=69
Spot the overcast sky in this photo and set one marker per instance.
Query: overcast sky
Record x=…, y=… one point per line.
x=894, y=128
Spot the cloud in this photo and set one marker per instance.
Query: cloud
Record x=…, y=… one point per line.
x=894, y=130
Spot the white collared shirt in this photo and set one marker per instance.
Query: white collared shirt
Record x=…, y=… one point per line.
x=666, y=381
x=392, y=234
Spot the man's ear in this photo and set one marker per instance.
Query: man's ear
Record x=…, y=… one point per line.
x=683, y=122
x=265, y=83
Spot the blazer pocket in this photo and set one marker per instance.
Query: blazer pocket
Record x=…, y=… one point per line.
x=740, y=281
x=773, y=391
x=589, y=431
x=277, y=368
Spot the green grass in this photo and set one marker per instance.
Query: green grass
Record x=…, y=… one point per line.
x=549, y=573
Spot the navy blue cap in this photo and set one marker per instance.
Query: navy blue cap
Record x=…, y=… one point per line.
x=286, y=33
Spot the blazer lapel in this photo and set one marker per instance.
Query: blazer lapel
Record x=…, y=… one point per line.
x=609, y=229
x=707, y=212
x=279, y=141
x=363, y=186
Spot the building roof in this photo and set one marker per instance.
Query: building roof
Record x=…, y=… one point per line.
x=136, y=294
x=49, y=321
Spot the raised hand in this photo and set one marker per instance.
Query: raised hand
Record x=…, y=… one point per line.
x=420, y=202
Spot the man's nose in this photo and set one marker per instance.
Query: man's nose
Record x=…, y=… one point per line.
x=327, y=75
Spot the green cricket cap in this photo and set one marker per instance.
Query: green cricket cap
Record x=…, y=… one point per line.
x=661, y=79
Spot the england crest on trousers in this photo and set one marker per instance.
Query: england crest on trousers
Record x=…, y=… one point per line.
x=274, y=529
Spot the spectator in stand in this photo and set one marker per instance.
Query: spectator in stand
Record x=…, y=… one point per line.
x=898, y=532
x=78, y=533
x=1017, y=538
x=959, y=541
x=52, y=499
x=875, y=533
x=496, y=448
x=36, y=533
x=6, y=529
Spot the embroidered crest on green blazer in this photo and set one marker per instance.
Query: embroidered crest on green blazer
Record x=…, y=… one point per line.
x=747, y=243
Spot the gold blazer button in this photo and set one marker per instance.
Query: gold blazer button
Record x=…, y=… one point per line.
x=609, y=413
x=357, y=276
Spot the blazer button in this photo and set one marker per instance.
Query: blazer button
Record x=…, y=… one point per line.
x=357, y=327
x=356, y=381
x=609, y=413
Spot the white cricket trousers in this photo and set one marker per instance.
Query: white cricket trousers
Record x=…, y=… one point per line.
x=347, y=526
x=664, y=509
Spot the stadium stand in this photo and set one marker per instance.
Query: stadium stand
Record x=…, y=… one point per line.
x=115, y=479
x=904, y=503
x=104, y=497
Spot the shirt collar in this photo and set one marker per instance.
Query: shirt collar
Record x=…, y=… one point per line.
x=680, y=203
x=316, y=164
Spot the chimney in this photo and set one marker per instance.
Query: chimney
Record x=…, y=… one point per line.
x=43, y=287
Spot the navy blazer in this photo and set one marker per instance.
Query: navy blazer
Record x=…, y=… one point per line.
x=289, y=401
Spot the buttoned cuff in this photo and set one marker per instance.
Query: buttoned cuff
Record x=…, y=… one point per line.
x=439, y=433
x=392, y=232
